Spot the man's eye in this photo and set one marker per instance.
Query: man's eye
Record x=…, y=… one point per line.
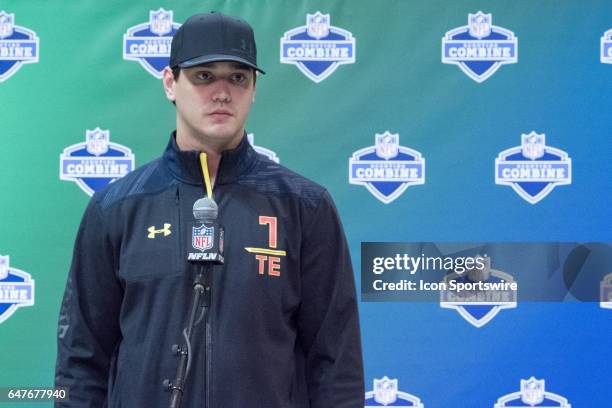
x=203, y=76
x=238, y=78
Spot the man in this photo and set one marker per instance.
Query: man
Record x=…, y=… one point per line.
x=283, y=328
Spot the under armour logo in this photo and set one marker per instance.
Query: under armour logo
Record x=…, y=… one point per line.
x=152, y=231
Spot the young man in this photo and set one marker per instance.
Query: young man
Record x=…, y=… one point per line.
x=283, y=328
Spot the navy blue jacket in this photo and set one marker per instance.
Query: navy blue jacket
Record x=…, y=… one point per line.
x=283, y=332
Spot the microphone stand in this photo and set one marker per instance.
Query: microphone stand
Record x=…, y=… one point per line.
x=200, y=299
x=207, y=241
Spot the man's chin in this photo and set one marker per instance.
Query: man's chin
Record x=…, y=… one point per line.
x=224, y=137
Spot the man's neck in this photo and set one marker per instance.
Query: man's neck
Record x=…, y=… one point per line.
x=213, y=153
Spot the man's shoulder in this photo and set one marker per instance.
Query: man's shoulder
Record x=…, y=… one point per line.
x=273, y=178
x=149, y=178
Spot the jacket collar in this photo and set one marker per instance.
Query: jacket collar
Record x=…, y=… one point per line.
x=185, y=164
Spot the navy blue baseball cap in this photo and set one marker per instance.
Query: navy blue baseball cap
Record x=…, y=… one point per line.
x=211, y=37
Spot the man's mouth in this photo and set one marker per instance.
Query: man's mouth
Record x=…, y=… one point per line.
x=220, y=113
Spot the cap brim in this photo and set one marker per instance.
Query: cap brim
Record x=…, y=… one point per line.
x=205, y=59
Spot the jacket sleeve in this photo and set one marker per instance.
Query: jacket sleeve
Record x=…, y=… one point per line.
x=88, y=329
x=328, y=321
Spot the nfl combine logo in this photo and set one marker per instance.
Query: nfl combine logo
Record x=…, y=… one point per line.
x=262, y=150
x=532, y=394
x=479, y=48
x=18, y=46
x=533, y=169
x=386, y=169
x=202, y=238
x=479, y=307
x=149, y=43
x=16, y=289
x=386, y=393
x=606, y=47
x=95, y=163
x=606, y=292
x=317, y=48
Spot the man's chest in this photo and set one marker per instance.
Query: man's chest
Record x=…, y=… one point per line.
x=261, y=241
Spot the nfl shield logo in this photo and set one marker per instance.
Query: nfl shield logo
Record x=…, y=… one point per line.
x=386, y=169
x=385, y=390
x=97, y=141
x=96, y=162
x=6, y=24
x=533, y=169
x=479, y=308
x=4, y=263
x=203, y=237
x=532, y=391
x=480, y=275
x=318, y=47
x=387, y=145
x=532, y=394
x=161, y=21
x=318, y=25
x=479, y=48
x=533, y=145
x=16, y=289
x=480, y=25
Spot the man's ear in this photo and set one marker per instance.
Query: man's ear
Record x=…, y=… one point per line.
x=169, y=83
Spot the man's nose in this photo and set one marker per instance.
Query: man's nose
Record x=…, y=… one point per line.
x=221, y=92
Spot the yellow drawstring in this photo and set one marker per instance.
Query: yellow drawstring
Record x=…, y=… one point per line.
x=204, y=165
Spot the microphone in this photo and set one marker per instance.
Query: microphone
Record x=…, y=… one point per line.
x=206, y=233
x=205, y=209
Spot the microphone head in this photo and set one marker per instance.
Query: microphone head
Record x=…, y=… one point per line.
x=205, y=209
